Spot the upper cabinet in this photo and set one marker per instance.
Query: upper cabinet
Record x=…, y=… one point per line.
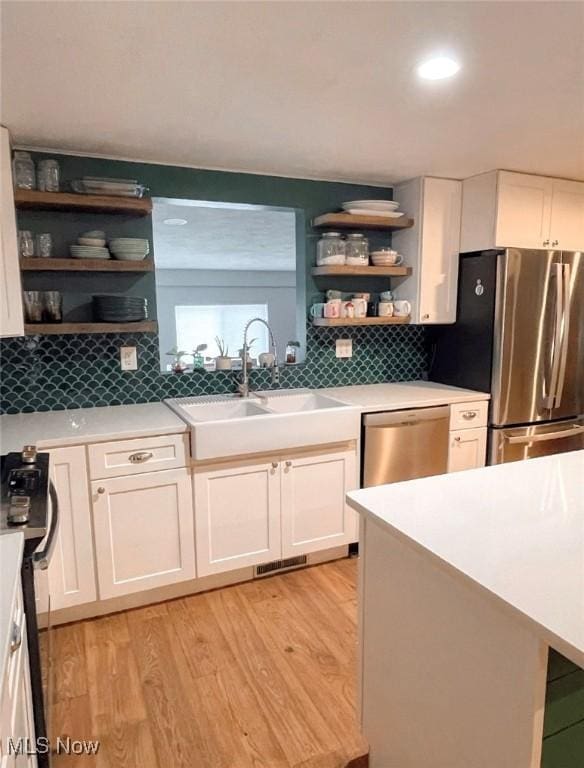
x=11, y=318
x=431, y=248
x=501, y=209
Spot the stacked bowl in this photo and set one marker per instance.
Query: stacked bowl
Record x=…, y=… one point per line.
x=90, y=245
x=112, y=308
x=129, y=248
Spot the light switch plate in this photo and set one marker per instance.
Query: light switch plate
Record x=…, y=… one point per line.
x=128, y=359
x=344, y=348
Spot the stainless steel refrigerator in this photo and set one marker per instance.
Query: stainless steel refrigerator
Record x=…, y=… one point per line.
x=519, y=334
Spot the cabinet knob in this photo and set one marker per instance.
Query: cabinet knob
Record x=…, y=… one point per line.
x=556, y=242
x=457, y=439
x=274, y=465
x=101, y=489
x=288, y=463
x=546, y=242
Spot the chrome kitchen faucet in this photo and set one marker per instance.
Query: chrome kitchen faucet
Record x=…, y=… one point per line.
x=243, y=385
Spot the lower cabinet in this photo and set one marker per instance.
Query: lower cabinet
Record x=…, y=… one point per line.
x=247, y=513
x=143, y=527
x=314, y=513
x=71, y=572
x=237, y=515
x=467, y=449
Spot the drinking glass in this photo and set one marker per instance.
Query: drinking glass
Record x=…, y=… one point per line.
x=48, y=176
x=33, y=306
x=44, y=245
x=25, y=243
x=53, y=306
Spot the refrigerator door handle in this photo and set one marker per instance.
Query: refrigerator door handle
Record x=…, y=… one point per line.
x=550, y=399
x=572, y=431
x=563, y=356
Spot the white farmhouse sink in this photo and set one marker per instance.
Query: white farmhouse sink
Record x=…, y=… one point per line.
x=223, y=426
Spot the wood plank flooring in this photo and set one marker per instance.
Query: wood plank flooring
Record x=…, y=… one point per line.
x=259, y=675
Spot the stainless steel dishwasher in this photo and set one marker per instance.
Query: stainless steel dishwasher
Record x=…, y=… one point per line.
x=403, y=445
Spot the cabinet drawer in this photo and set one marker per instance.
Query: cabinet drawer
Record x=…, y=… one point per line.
x=469, y=415
x=132, y=457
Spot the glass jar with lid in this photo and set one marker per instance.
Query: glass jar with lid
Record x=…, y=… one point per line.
x=357, y=250
x=330, y=249
x=23, y=171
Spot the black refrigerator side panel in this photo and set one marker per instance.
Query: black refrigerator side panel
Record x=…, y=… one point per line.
x=462, y=353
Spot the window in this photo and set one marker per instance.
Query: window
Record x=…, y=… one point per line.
x=201, y=324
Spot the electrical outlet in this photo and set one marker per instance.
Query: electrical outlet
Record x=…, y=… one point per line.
x=344, y=348
x=128, y=359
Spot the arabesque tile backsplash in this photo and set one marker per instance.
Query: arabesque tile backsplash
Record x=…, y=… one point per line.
x=42, y=373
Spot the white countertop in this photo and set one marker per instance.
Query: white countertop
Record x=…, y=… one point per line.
x=51, y=429
x=407, y=394
x=11, y=546
x=87, y=425
x=516, y=531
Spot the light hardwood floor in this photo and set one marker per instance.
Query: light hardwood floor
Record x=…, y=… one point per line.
x=259, y=675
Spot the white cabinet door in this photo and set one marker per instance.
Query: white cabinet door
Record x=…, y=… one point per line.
x=430, y=248
x=467, y=450
x=314, y=513
x=567, y=221
x=71, y=573
x=143, y=531
x=11, y=318
x=523, y=211
x=237, y=515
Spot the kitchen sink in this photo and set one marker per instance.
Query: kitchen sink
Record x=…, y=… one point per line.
x=226, y=425
x=219, y=411
x=298, y=403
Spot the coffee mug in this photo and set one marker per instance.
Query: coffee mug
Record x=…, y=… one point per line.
x=366, y=296
x=385, y=309
x=386, y=296
x=402, y=308
x=317, y=310
x=347, y=309
x=332, y=308
x=360, y=306
x=334, y=295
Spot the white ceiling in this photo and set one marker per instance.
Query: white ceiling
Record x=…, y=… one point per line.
x=220, y=237
x=320, y=90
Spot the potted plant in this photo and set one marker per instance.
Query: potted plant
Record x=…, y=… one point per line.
x=178, y=365
x=222, y=361
x=198, y=359
x=249, y=361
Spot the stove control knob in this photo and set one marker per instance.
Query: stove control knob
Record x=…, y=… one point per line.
x=29, y=454
x=19, y=510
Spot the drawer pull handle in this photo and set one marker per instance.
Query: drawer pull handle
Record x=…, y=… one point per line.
x=140, y=457
x=16, y=639
x=468, y=415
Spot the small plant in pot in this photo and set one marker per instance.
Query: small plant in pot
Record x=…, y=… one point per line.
x=198, y=359
x=178, y=365
x=222, y=361
x=249, y=361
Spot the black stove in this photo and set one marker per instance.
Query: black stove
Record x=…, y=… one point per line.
x=24, y=493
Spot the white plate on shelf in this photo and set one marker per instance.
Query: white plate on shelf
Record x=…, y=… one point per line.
x=373, y=205
x=378, y=214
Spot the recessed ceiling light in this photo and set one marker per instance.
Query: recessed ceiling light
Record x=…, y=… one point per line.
x=438, y=68
x=175, y=222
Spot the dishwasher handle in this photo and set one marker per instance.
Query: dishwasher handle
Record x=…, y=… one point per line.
x=406, y=418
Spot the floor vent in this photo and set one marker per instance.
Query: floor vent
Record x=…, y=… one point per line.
x=279, y=565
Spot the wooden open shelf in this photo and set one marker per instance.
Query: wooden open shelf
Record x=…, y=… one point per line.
x=54, y=329
x=32, y=199
x=85, y=265
x=327, y=322
x=349, y=271
x=349, y=221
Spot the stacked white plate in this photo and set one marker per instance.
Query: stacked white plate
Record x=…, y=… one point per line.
x=373, y=208
x=89, y=252
x=129, y=248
